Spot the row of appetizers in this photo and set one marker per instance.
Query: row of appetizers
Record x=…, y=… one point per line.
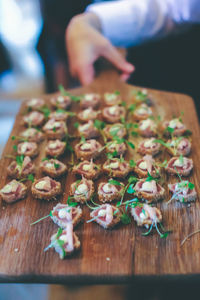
x=116, y=138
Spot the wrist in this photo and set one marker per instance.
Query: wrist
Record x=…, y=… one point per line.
x=88, y=18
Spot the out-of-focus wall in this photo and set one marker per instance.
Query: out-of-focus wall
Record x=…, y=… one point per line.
x=20, y=27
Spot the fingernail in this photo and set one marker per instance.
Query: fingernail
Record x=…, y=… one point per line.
x=124, y=77
x=130, y=67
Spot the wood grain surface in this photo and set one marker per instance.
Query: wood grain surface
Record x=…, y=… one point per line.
x=130, y=253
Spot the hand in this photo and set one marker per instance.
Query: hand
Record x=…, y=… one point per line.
x=85, y=44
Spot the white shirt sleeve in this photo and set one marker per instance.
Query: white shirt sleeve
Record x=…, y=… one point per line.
x=129, y=22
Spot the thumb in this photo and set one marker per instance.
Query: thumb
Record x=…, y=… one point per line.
x=113, y=55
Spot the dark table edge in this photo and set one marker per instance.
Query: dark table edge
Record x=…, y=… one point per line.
x=98, y=280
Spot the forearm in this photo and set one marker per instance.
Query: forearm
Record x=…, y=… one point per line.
x=129, y=22
x=87, y=18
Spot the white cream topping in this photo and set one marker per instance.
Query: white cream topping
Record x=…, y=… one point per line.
x=142, y=216
x=60, y=99
x=114, y=165
x=24, y=147
x=110, y=97
x=34, y=115
x=49, y=165
x=63, y=238
x=179, y=162
x=182, y=144
x=29, y=132
x=101, y=213
x=65, y=213
x=149, y=186
x=86, y=146
x=151, y=211
x=173, y=143
x=42, y=185
x=116, y=129
x=107, y=188
x=87, y=112
x=149, y=143
x=144, y=109
x=11, y=187
x=53, y=145
x=183, y=189
x=84, y=127
x=113, y=110
x=143, y=165
x=51, y=125
x=81, y=189
x=112, y=146
x=33, y=102
x=87, y=167
x=89, y=97
x=145, y=124
x=175, y=123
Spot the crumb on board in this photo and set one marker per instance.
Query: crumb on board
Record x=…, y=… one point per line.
x=16, y=249
x=108, y=258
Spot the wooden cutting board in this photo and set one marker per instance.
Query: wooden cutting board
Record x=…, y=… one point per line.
x=105, y=256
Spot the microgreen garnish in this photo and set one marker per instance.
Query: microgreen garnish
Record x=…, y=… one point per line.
x=99, y=124
x=183, y=184
x=69, y=148
x=56, y=166
x=70, y=202
x=187, y=133
x=125, y=219
x=130, y=144
x=76, y=125
x=134, y=133
x=83, y=139
x=114, y=182
x=116, y=92
x=60, y=110
x=162, y=235
x=54, y=129
x=41, y=219
x=112, y=155
x=159, y=141
x=189, y=236
x=132, y=179
x=150, y=178
x=123, y=103
x=45, y=158
x=60, y=243
x=31, y=177
x=20, y=159
x=170, y=130
x=65, y=93
x=132, y=164
x=130, y=189
x=13, y=138
x=181, y=159
x=140, y=95
x=46, y=111
x=132, y=107
x=15, y=147
x=191, y=186
x=163, y=164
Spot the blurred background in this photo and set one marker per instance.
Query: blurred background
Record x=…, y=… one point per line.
x=33, y=61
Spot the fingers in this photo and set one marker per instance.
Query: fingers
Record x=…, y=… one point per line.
x=85, y=73
x=113, y=55
x=124, y=77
